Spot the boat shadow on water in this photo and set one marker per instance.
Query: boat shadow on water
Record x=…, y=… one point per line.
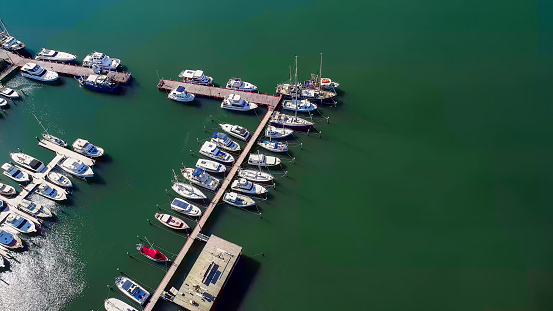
x=239, y=283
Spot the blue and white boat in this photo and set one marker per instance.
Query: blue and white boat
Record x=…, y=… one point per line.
x=299, y=105
x=274, y=146
x=199, y=177
x=237, y=103
x=99, y=83
x=15, y=173
x=210, y=150
x=132, y=289
x=185, y=207
x=277, y=132
x=291, y=122
x=20, y=223
x=224, y=142
x=238, y=200
x=239, y=85
x=101, y=61
x=236, y=131
x=211, y=166
x=85, y=148
x=181, y=95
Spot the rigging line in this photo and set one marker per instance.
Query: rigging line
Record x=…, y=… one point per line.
x=135, y=280
x=246, y=210
x=153, y=244
x=166, y=229
x=146, y=262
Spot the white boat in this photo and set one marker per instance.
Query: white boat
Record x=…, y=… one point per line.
x=277, y=132
x=210, y=150
x=28, y=162
x=51, y=193
x=101, y=61
x=237, y=199
x=299, y=105
x=10, y=240
x=15, y=173
x=239, y=85
x=245, y=186
x=292, y=122
x=188, y=191
x=34, y=209
x=20, y=223
x=11, y=44
x=2, y=262
x=256, y=176
x=114, y=304
x=236, y=131
x=181, y=95
x=7, y=92
x=59, y=179
x=76, y=167
x=224, y=142
x=84, y=147
x=53, y=139
x=211, y=166
x=56, y=56
x=274, y=146
x=195, y=77
x=7, y=190
x=171, y=221
x=3, y=103
x=132, y=289
x=199, y=177
x=235, y=102
x=34, y=71
x=327, y=83
x=185, y=207
x=263, y=160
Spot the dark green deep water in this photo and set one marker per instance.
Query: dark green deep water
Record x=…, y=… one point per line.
x=429, y=190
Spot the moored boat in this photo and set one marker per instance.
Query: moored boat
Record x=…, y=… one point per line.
x=101, y=83
x=11, y=44
x=224, y=142
x=10, y=240
x=7, y=92
x=277, y=132
x=235, y=102
x=210, y=150
x=132, y=289
x=188, y=191
x=101, y=61
x=53, y=139
x=34, y=209
x=299, y=105
x=199, y=177
x=56, y=56
x=15, y=173
x=34, y=71
x=171, y=221
x=3, y=103
x=239, y=85
x=28, y=162
x=20, y=223
x=257, y=176
x=211, y=166
x=263, y=160
x=76, y=167
x=195, y=77
x=7, y=190
x=51, y=193
x=59, y=179
x=181, y=95
x=291, y=122
x=114, y=304
x=236, y=131
x=238, y=200
x=85, y=148
x=245, y=186
x=274, y=146
x=152, y=254
x=186, y=208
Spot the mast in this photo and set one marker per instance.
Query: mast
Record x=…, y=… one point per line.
x=296, y=88
x=41, y=124
x=321, y=72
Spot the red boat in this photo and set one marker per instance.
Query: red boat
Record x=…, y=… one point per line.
x=152, y=254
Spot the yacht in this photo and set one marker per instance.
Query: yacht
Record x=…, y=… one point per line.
x=236, y=131
x=76, y=167
x=28, y=162
x=238, y=200
x=7, y=92
x=34, y=71
x=185, y=208
x=20, y=223
x=114, y=304
x=263, y=160
x=181, y=95
x=56, y=56
x=274, y=146
x=224, y=142
x=11, y=44
x=278, y=132
x=101, y=60
x=171, y=221
x=195, y=77
x=59, y=179
x=101, y=83
x=15, y=173
x=246, y=186
x=53, y=139
x=199, y=177
x=292, y=122
x=257, y=176
x=34, y=209
x=299, y=105
x=239, y=85
x=85, y=148
x=132, y=289
x=235, y=102
x=188, y=191
x=211, y=166
x=51, y=193
x=10, y=240
x=210, y=150
x=7, y=190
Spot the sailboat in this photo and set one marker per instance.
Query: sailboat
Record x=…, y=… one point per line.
x=53, y=139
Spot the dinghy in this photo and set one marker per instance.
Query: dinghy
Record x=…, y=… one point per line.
x=188, y=191
x=50, y=193
x=248, y=187
x=224, y=142
x=10, y=240
x=185, y=208
x=256, y=176
x=152, y=254
x=59, y=179
x=199, y=177
x=263, y=160
x=277, y=132
x=238, y=200
x=210, y=150
x=53, y=139
x=15, y=173
x=113, y=304
x=34, y=209
x=171, y=221
x=7, y=190
x=236, y=131
x=211, y=166
x=132, y=289
x=274, y=146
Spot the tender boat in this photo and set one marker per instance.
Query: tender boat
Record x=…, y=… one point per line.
x=113, y=304
x=299, y=105
x=51, y=193
x=211, y=166
x=292, y=122
x=327, y=83
x=263, y=160
x=274, y=146
x=76, y=167
x=239, y=85
x=195, y=77
x=256, y=176
x=188, y=191
x=15, y=173
x=277, y=132
x=236, y=131
x=235, y=102
x=53, y=139
x=210, y=150
x=9, y=93
x=224, y=142
x=59, y=179
x=9, y=240
x=101, y=60
x=56, y=56
x=101, y=83
x=245, y=186
x=185, y=208
x=171, y=221
x=85, y=148
x=132, y=289
x=34, y=209
x=28, y=162
x=20, y=223
x=199, y=177
x=238, y=200
x=181, y=95
x=7, y=190
x=11, y=44
x=34, y=71
x=152, y=254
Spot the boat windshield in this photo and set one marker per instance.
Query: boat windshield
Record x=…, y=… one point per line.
x=35, y=164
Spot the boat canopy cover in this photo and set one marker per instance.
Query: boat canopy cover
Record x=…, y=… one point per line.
x=217, y=135
x=35, y=164
x=198, y=172
x=232, y=196
x=181, y=204
x=5, y=237
x=180, y=89
x=127, y=285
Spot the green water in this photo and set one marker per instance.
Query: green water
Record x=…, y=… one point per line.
x=428, y=190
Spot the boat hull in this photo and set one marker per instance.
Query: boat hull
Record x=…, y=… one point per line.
x=171, y=221
x=113, y=304
x=188, y=191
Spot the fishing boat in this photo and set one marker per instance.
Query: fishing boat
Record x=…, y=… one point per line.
x=186, y=208
x=101, y=83
x=171, y=221
x=56, y=56
x=76, y=167
x=245, y=186
x=34, y=209
x=235, y=102
x=59, y=179
x=211, y=166
x=20, y=223
x=263, y=160
x=299, y=105
x=277, y=132
x=15, y=173
x=274, y=146
x=34, y=71
x=210, y=150
x=188, y=191
x=132, y=289
x=181, y=95
x=239, y=85
x=10, y=240
x=199, y=177
x=224, y=142
x=114, y=304
x=11, y=44
x=195, y=77
x=238, y=200
x=7, y=190
x=27, y=161
x=7, y=92
x=152, y=254
x=85, y=148
x=101, y=61
x=236, y=131
x=257, y=176
x=51, y=193
x=291, y=122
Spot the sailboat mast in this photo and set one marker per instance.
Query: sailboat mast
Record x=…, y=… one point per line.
x=296, y=88
x=321, y=72
x=40, y=123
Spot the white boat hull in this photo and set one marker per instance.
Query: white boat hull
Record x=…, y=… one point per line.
x=188, y=191
x=50, y=76
x=113, y=304
x=255, y=176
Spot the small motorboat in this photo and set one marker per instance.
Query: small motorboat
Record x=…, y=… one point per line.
x=59, y=179
x=185, y=208
x=85, y=148
x=299, y=105
x=15, y=173
x=188, y=191
x=56, y=56
x=236, y=131
x=235, y=102
x=53, y=139
x=101, y=83
x=101, y=61
x=277, y=132
x=224, y=142
x=257, y=176
x=152, y=254
x=239, y=85
x=76, y=167
x=34, y=71
x=211, y=166
x=245, y=186
x=195, y=77
x=171, y=221
x=114, y=304
x=3, y=103
x=181, y=95
x=292, y=122
x=132, y=289
x=238, y=200
x=51, y=193
x=20, y=223
x=10, y=240
x=34, y=209
x=28, y=162
x=7, y=92
x=199, y=177
x=263, y=160
x=274, y=146
x=7, y=190
x=327, y=83
x=210, y=150
x=11, y=44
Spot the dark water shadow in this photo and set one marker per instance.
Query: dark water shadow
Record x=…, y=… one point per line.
x=238, y=284
x=97, y=179
x=106, y=158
